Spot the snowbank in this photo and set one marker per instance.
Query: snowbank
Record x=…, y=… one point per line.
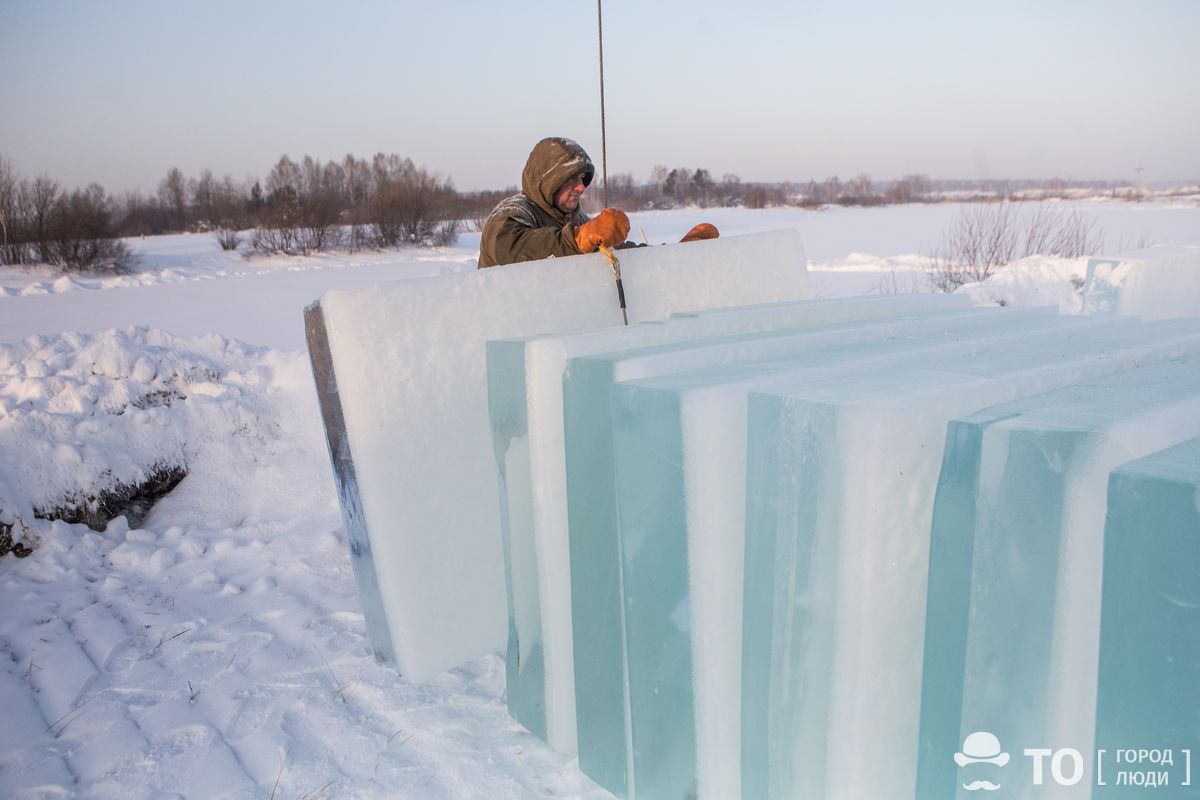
x=1034, y=281
x=85, y=417
x=220, y=647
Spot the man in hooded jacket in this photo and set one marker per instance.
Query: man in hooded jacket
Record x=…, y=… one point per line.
x=544, y=219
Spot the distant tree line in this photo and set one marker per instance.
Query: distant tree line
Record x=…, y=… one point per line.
x=682, y=187
x=308, y=206
x=669, y=188
x=76, y=230
x=300, y=207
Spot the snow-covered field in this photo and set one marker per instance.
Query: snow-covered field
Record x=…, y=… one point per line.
x=218, y=647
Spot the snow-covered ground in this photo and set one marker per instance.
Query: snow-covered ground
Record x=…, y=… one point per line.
x=218, y=648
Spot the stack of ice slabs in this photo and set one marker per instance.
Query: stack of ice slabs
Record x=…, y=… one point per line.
x=400, y=372
x=680, y=445
x=601, y=688
x=525, y=387
x=1150, y=617
x=837, y=547
x=1013, y=620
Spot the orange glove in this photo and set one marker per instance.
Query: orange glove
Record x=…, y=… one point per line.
x=608, y=228
x=701, y=231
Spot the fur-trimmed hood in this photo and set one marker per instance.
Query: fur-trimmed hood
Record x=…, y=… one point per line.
x=550, y=163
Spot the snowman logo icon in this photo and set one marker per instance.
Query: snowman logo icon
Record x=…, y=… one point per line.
x=981, y=747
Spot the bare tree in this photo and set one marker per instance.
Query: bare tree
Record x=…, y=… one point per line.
x=322, y=188
x=27, y=209
x=203, y=191
x=13, y=248
x=731, y=189
x=229, y=213
x=280, y=215
x=358, y=189
x=42, y=198
x=755, y=196
x=832, y=189
x=172, y=193
x=859, y=188
x=83, y=234
x=907, y=189
x=412, y=206
x=658, y=177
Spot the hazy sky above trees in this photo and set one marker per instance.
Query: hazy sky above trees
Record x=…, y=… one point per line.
x=119, y=91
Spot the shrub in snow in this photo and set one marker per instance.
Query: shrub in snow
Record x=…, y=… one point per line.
x=8, y=545
x=986, y=237
x=228, y=238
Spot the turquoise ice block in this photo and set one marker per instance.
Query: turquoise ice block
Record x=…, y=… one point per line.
x=844, y=479
x=591, y=493
x=525, y=661
x=592, y=504
x=653, y=533
x=1149, y=692
x=701, y=454
x=1013, y=613
x=525, y=408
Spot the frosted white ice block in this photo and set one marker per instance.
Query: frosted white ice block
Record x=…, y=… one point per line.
x=681, y=493
x=1013, y=615
x=837, y=552
x=592, y=498
x=525, y=385
x=1159, y=282
x=1150, y=615
x=400, y=372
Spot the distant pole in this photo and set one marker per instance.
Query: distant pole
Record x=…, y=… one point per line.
x=603, y=139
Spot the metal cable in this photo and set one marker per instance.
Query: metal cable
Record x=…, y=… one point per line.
x=603, y=139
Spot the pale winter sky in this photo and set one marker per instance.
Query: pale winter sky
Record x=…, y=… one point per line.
x=119, y=91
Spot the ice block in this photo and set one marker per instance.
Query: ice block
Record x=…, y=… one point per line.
x=401, y=376
x=1154, y=283
x=1148, y=694
x=837, y=552
x=592, y=496
x=525, y=383
x=1013, y=615
x=682, y=491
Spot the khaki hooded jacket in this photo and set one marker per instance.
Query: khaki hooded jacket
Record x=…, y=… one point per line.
x=527, y=226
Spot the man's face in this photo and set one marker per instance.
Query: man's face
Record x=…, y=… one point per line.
x=566, y=199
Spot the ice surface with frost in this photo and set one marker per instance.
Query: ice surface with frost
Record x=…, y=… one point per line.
x=684, y=435
x=848, y=495
x=1150, y=610
x=525, y=386
x=1155, y=283
x=415, y=352
x=1020, y=518
x=599, y=514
